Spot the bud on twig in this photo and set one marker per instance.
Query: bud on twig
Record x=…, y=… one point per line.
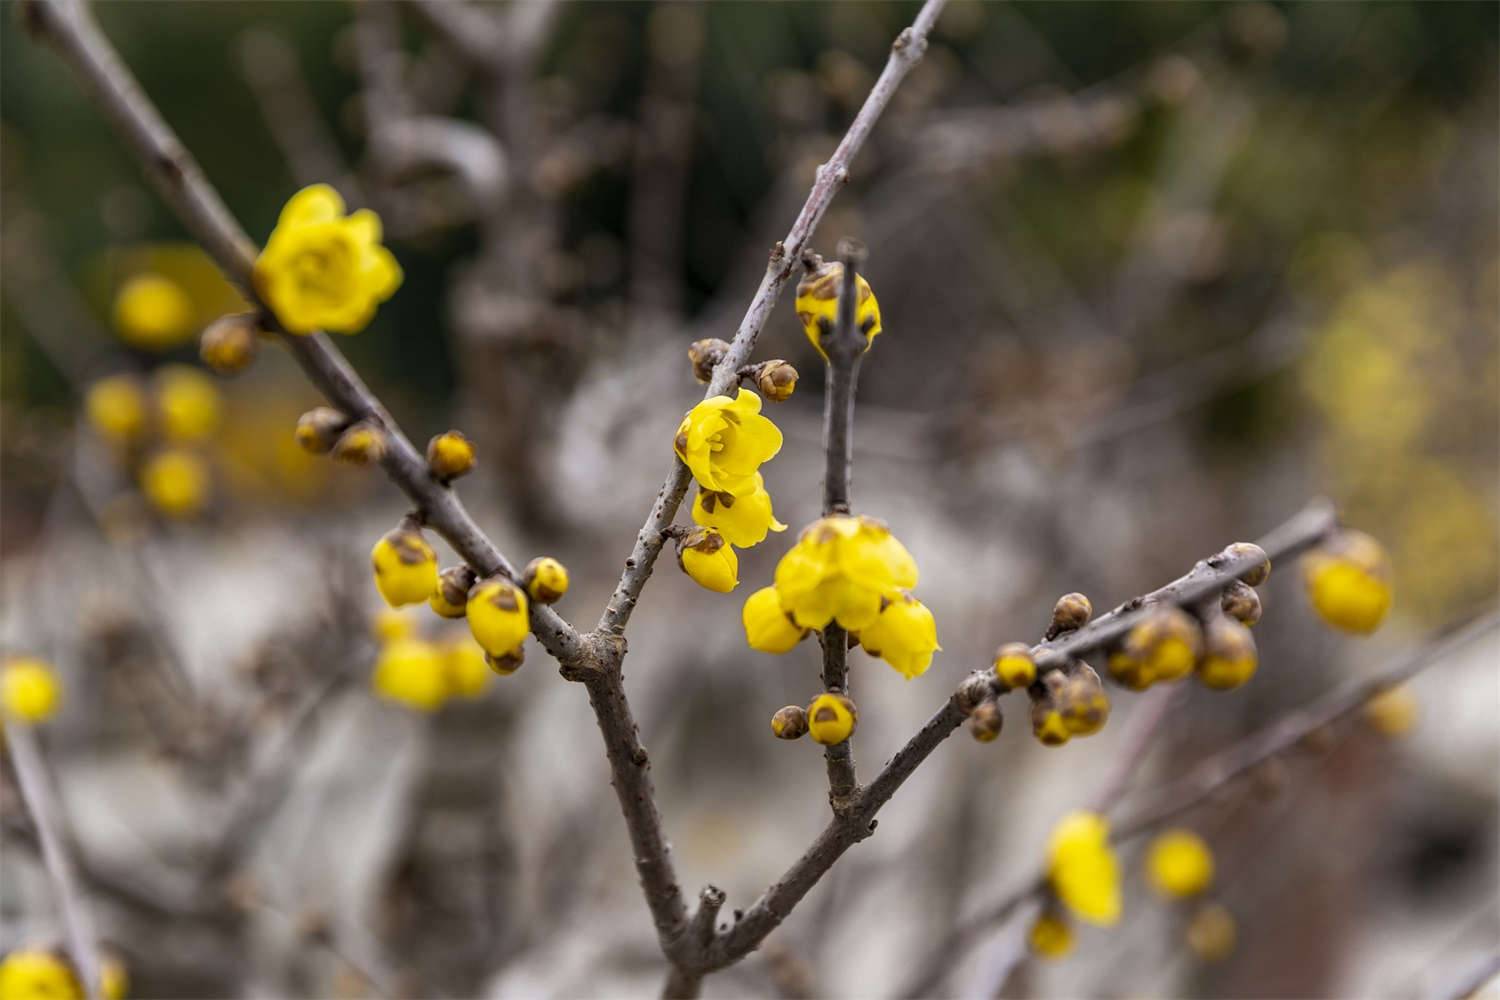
x=230, y=343
x=705, y=356
x=545, y=579
x=1014, y=665
x=449, y=456
x=985, y=721
x=976, y=689
x=319, y=428
x=451, y=597
x=1071, y=612
x=1241, y=602
x=831, y=718
x=776, y=379
x=790, y=723
x=507, y=663
x=1260, y=570
x=362, y=444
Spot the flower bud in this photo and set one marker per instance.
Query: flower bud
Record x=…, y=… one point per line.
x=986, y=721
x=361, y=444
x=1241, y=602
x=319, y=428
x=1071, y=612
x=1349, y=582
x=790, y=723
x=818, y=302
x=767, y=627
x=230, y=343
x=1260, y=565
x=976, y=689
x=831, y=718
x=450, y=597
x=189, y=403
x=1047, y=723
x=709, y=560
x=1082, y=702
x=1014, y=665
x=29, y=690
x=546, y=580
x=705, y=356
x=497, y=613
x=507, y=663
x=153, y=312
x=1164, y=644
x=1050, y=935
x=410, y=671
x=176, y=482
x=449, y=456
x=1392, y=712
x=776, y=380
x=1229, y=658
x=1211, y=933
x=1179, y=864
x=116, y=409
x=405, y=567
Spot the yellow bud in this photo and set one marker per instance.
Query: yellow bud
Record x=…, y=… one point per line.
x=1082, y=702
x=1071, y=612
x=1393, y=712
x=450, y=598
x=114, y=978
x=29, y=690
x=449, y=456
x=391, y=624
x=1163, y=645
x=405, y=567
x=1047, y=725
x=34, y=974
x=188, y=402
x=1082, y=868
x=319, y=428
x=1014, y=665
x=176, y=482
x=776, y=380
x=466, y=667
x=1179, y=864
x=410, y=671
x=1050, y=936
x=116, y=409
x=1211, y=933
x=230, y=343
x=705, y=355
x=1229, y=657
x=975, y=690
x=709, y=560
x=831, y=718
x=361, y=444
x=767, y=627
x=498, y=618
x=546, y=580
x=790, y=723
x=1349, y=582
x=986, y=721
x=152, y=312
x=1241, y=602
x=506, y=663
x=1260, y=563
x=818, y=302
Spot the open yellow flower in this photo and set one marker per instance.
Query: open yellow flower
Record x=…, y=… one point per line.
x=904, y=635
x=1082, y=868
x=840, y=569
x=724, y=441
x=767, y=627
x=322, y=269
x=742, y=520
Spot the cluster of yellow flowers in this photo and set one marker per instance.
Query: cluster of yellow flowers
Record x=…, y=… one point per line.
x=159, y=430
x=425, y=674
x=41, y=974
x=29, y=690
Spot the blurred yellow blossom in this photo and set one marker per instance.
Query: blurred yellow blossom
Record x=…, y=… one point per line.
x=1179, y=863
x=467, y=673
x=34, y=974
x=1392, y=712
x=1349, y=582
x=1050, y=935
x=153, y=312
x=411, y=671
x=29, y=690
x=189, y=403
x=1082, y=868
x=116, y=409
x=176, y=482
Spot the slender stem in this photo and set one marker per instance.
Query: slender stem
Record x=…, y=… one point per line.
x=36, y=795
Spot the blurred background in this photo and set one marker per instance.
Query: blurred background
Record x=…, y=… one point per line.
x=1152, y=275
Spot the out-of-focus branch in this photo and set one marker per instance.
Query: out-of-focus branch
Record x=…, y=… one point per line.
x=475, y=35
x=36, y=793
x=906, y=52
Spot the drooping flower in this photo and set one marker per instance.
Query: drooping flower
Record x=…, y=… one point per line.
x=176, y=482
x=406, y=570
x=1349, y=582
x=818, y=304
x=767, y=626
x=840, y=570
x=412, y=672
x=724, y=441
x=1229, y=657
x=705, y=556
x=1082, y=868
x=903, y=635
x=322, y=269
x=1179, y=864
x=498, y=616
x=467, y=673
x=742, y=520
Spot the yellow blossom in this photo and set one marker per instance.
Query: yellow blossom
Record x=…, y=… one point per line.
x=546, y=580
x=29, y=690
x=34, y=974
x=709, y=560
x=189, y=403
x=767, y=627
x=1014, y=665
x=818, y=304
x=449, y=455
x=114, y=978
x=1082, y=703
x=743, y=520
x=1082, y=868
x=450, y=598
x=831, y=718
x=322, y=269
x=903, y=635
x=840, y=570
x=176, y=482
x=406, y=570
x=1179, y=864
x=391, y=624
x=116, y=408
x=1050, y=935
x=153, y=312
x=723, y=442
x=1211, y=933
x=1349, y=582
x=468, y=675
x=1392, y=712
x=1229, y=657
x=497, y=613
x=1047, y=725
x=411, y=671
x=1162, y=646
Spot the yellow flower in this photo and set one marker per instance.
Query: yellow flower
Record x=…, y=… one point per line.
x=767, y=626
x=1082, y=868
x=743, y=520
x=406, y=570
x=1164, y=645
x=831, y=718
x=324, y=270
x=176, y=482
x=1392, y=712
x=468, y=675
x=153, y=312
x=33, y=974
x=1014, y=665
x=497, y=614
x=114, y=978
x=411, y=671
x=29, y=690
x=116, y=409
x=1082, y=703
x=1047, y=725
x=449, y=455
x=1179, y=864
x=1211, y=933
x=903, y=635
x=818, y=304
x=546, y=580
x=709, y=560
x=1349, y=582
x=391, y=624
x=840, y=569
x=1050, y=936
x=189, y=403
x=724, y=441
x=1229, y=657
